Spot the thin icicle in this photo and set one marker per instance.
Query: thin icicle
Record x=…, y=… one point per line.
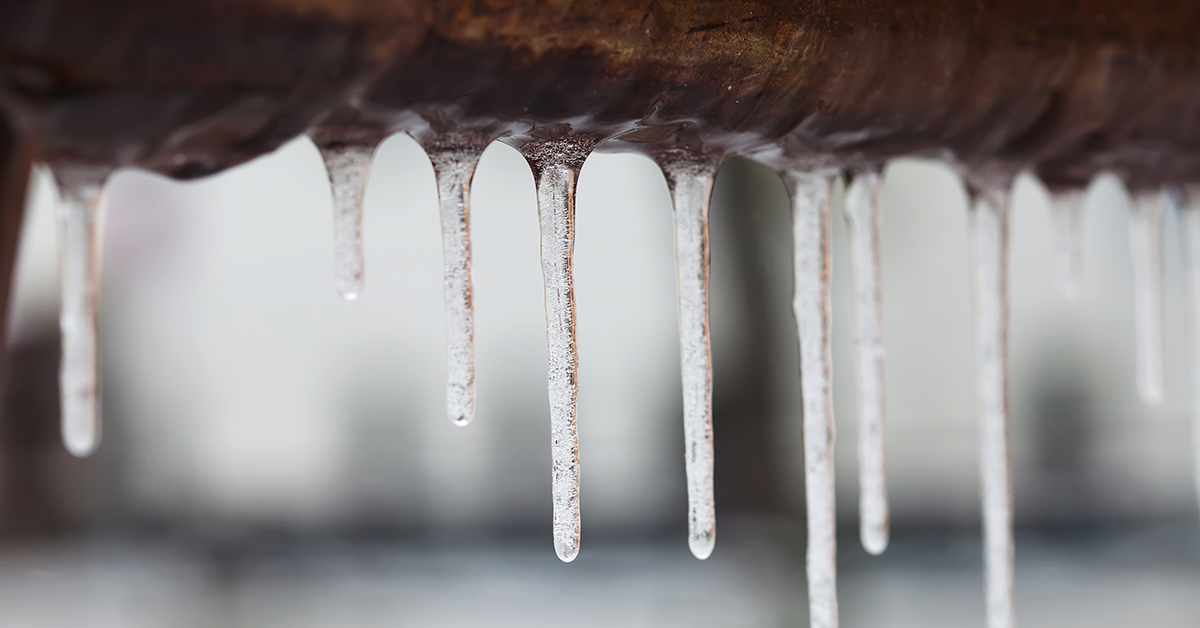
x=1066, y=211
x=348, y=165
x=989, y=240
x=454, y=159
x=810, y=194
x=1145, y=249
x=556, y=163
x=864, y=213
x=1190, y=204
x=80, y=231
x=690, y=182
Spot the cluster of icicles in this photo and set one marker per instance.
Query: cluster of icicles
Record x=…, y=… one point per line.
x=556, y=163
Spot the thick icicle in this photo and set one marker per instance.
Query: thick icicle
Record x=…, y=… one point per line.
x=454, y=158
x=556, y=163
x=1066, y=211
x=348, y=165
x=989, y=249
x=810, y=194
x=864, y=214
x=690, y=180
x=1190, y=204
x=1145, y=249
x=80, y=231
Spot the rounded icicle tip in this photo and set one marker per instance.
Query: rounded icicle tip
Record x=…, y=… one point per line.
x=566, y=551
x=702, y=546
x=81, y=439
x=874, y=539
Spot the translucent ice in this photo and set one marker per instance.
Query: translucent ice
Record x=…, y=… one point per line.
x=1066, y=211
x=1145, y=249
x=348, y=165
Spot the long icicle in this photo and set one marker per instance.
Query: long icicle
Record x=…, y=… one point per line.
x=1145, y=249
x=1066, y=213
x=556, y=163
x=1190, y=204
x=348, y=165
x=810, y=193
x=454, y=159
x=864, y=213
x=989, y=240
x=80, y=233
x=690, y=181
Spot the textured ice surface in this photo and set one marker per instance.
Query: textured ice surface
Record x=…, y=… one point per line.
x=690, y=182
x=810, y=193
x=348, y=165
x=80, y=231
x=989, y=253
x=864, y=215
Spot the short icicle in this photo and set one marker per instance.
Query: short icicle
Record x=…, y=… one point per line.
x=989, y=251
x=690, y=179
x=1066, y=212
x=864, y=213
x=348, y=164
x=454, y=157
x=1145, y=249
x=810, y=193
x=1190, y=205
x=556, y=163
x=80, y=233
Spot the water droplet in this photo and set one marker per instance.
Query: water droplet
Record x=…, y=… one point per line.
x=1066, y=211
x=810, y=194
x=348, y=165
x=864, y=214
x=1145, y=249
x=454, y=157
x=556, y=162
x=80, y=231
x=989, y=264
x=690, y=181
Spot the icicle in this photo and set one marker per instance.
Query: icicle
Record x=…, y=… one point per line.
x=1145, y=248
x=810, y=194
x=348, y=165
x=80, y=230
x=454, y=158
x=556, y=163
x=1190, y=204
x=864, y=214
x=1066, y=211
x=989, y=240
x=690, y=180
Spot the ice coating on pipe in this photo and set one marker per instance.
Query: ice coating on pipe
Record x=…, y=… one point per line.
x=348, y=165
x=989, y=268
x=80, y=236
x=810, y=195
x=864, y=215
x=1145, y=250
x=690, y=180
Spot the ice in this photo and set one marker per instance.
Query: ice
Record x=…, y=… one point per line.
x=989, y=252
x=348, y=165
x=80, y=231
x=1145, y=249
x=690, y=181
x=810, y=193
x=1066, y=212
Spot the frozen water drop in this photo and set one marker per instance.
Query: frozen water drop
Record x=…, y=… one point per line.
x=864, y=213
x=454, y=157
x=556, y=163
x=1145, y=249
x=1066, y=212
x=348, y=165
x=690, y=180
x=80, y=231
x=989, y=252
x=810, y=194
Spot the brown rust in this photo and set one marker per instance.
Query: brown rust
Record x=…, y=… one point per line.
x=1067, y=87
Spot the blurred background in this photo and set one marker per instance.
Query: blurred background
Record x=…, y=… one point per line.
x=275, y=456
